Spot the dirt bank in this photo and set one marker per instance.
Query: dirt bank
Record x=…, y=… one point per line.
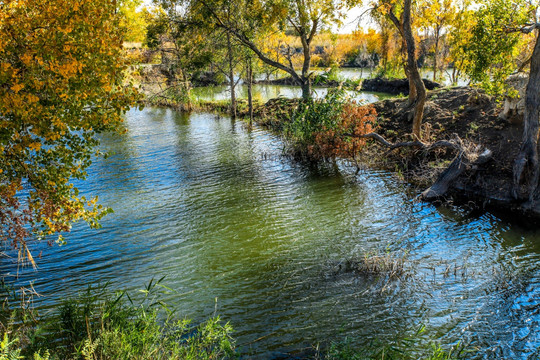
x=472, y=116
x=394, y=86
x=318, y=81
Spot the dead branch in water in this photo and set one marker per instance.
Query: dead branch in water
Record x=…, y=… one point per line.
x=468, y=156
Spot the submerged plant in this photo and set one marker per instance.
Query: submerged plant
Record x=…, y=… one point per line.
x=406, y=348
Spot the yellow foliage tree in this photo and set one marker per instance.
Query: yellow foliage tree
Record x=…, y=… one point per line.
x=437, y=15
x=133, y=20
x=61, y=65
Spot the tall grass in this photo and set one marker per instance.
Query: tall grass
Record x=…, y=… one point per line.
x=99, y=324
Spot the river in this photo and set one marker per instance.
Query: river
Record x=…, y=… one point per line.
x=243, y=231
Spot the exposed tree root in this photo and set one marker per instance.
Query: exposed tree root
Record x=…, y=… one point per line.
x=468, y=156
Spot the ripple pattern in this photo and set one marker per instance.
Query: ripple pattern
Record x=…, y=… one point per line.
x=227, y=219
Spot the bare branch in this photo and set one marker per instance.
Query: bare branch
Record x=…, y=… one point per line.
x=465, y=158
x=416, y=143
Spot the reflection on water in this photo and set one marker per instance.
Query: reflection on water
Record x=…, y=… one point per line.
x=217, y=210
x=263, y=93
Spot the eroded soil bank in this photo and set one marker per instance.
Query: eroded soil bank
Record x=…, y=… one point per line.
x=394, y=86
x=472, y=116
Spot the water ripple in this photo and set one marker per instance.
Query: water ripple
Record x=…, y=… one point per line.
x=217, y=210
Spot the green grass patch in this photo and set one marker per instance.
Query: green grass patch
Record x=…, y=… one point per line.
x=99, y=324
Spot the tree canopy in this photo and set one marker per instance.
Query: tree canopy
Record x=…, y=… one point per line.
x=494, y=43
x=61, y=83
x=250, y=21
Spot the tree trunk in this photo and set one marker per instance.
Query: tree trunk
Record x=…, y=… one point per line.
x=420, y=99
x=249, y=86
x=186, y=87
x=306, y=47
x=412, y=85
x=385, y=48
x=404, y=51
x=400, y=25
x=231, y=75
x=436, y=51
x=461, y=163
x=306, y=89
x=528, y=152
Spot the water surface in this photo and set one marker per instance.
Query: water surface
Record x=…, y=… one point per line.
x=263, y=93
x=237, y=227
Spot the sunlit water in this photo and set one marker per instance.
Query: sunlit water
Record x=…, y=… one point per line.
x=240, y=230
x=444, y=78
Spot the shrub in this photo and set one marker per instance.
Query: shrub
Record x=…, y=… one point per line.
x=310, y=116
x=345, y=138
x=330, y=127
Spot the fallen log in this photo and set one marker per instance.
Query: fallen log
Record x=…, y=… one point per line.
x=461, y=163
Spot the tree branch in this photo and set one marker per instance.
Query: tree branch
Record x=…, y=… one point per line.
x=248, y=43
x=313, y=31
x=464, y=159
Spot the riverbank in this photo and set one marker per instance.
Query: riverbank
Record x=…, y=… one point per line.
x=463, y=116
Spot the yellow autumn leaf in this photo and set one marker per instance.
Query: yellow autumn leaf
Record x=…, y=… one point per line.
x=26, y=59
x=35, y=146
x=17, y=87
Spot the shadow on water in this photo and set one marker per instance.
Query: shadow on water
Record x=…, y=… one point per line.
x=235, y=225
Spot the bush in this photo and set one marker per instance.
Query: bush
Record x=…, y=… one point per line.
x=310, y=116
x=330, y=127
x=345, y=139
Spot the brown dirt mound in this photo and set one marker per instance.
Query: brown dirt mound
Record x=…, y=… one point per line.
x=473, y=116
x=394, y=86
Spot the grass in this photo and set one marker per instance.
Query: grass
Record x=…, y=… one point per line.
x=99, y=324
x=407, y=348
x=381, y=265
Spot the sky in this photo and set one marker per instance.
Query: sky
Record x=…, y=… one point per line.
x=353, y=20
